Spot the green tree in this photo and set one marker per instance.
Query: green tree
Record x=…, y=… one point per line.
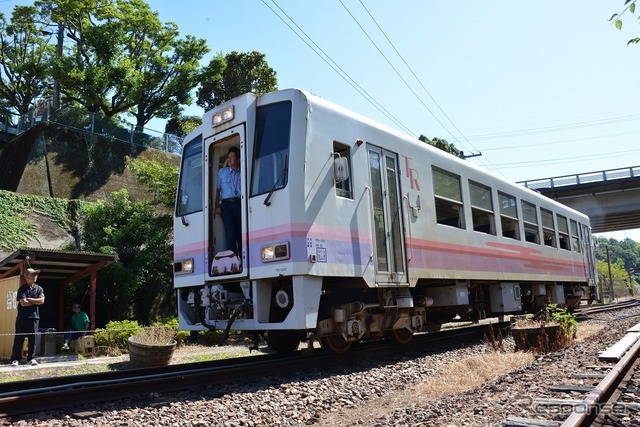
x=442, y=144
x=234, y=74
x=627, y=251
x=623, y=285
x=121, y=58
x=24, y=60
x=182, y=126
x=160, y=177
x=623, y=254
x=139, y=285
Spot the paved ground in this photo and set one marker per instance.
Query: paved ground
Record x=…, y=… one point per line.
x=63, y=361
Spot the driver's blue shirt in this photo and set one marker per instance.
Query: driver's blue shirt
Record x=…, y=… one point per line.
x=229, y=183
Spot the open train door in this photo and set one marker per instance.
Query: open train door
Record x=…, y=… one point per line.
x=224, y=263
x=389, y=253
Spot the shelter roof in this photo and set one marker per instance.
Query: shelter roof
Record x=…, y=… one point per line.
x=55, y=265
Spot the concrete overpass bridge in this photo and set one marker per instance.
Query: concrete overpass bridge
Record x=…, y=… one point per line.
x=611, y=198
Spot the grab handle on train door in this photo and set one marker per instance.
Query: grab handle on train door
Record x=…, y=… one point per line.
x=408, y=222
x=367, y=189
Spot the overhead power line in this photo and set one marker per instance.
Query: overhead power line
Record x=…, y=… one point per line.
x=562, y=141
x=572, y=159
x=556, y=128
x=414, y=76
x=327, y=59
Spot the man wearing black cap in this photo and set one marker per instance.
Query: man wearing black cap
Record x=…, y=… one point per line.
x=79, y=326
x=30, y=297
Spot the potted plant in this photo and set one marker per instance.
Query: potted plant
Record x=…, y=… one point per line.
x=531, y=334
x=152, y=346
x=552, y=329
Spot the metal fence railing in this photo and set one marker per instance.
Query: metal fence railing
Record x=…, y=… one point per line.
x=92, y=123
x=583, y=178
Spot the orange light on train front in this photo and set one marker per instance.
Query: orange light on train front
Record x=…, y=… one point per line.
x=184, y=266
x=276, y=252
x=222, y=116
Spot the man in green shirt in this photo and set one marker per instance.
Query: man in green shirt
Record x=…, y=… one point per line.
x=79, y=326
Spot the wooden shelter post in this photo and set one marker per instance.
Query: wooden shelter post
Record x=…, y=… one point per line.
x=92, y=301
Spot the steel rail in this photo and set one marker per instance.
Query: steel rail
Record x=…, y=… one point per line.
x=609, y=307
x=22, y=397
x=585, y=413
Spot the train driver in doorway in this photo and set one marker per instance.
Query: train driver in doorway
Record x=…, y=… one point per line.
x=228, y=191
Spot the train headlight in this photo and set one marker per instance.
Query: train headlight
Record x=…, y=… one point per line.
x=184, y=266
x=267, y=253
x=222, y=116
x=276, y=252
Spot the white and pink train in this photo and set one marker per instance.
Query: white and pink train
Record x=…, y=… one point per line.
x=353, y=231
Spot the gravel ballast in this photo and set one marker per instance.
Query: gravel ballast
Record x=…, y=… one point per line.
x=373, y=393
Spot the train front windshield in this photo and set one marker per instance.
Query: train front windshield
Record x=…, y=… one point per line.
x=273, y=129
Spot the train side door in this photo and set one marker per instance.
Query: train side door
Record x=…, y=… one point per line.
x=222, y=261
x=388, y=253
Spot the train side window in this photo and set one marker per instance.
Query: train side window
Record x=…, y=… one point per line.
x=448, y=198
x=482, y=213
x=509, y=216
x=343, y=188
x=548, y=229
x=530, y=219
x=563, y=232
x=575, y=237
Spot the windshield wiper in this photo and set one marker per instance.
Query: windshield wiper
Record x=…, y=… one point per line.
x=282, y=178
x=183, y=201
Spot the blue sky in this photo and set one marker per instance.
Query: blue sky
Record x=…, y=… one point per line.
x=541, y=89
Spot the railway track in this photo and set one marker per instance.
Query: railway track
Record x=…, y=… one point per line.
x=613, y=399
x=23, y=397
x=587, y=310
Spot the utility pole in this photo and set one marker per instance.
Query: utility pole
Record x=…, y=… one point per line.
x=56, y=85
x=610, y=279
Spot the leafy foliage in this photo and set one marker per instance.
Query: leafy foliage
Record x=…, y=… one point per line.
x=620, y=278
x=24, y=59
x=442, y=144
x=182, y=126
x=116, y=57
x=158, y=175
x=119, y=57
x=140, y=284
x=629, y=6
x=564, y=318
x=624, y=263
x=16, y=209
x=232, y=75
x=116, y=334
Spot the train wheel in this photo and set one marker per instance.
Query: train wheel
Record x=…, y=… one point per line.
x=335, y=344
x=284, y=341
x=402, y=336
